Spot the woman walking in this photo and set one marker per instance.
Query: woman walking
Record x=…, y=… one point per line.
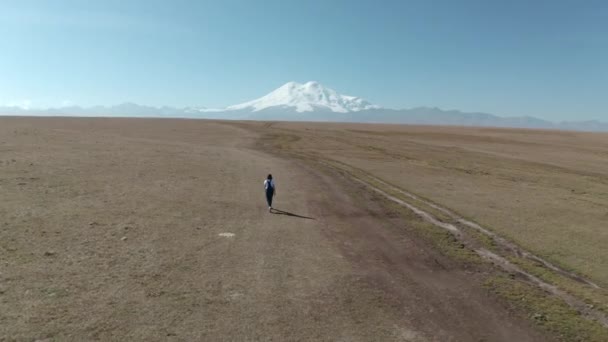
x=270, y=189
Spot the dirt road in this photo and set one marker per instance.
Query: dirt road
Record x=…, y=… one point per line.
x=133, y=229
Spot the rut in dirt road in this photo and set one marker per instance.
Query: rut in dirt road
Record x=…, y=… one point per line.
x=585, y=309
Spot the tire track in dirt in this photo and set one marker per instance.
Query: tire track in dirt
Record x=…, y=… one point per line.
x=500, y=240
x=484, y=253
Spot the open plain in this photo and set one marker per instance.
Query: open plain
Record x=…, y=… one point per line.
x=545, y=190
x=157, y=229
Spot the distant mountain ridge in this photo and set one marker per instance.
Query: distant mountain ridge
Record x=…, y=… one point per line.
x=313, y=102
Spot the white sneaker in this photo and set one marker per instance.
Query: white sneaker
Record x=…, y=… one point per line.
x=269, y=209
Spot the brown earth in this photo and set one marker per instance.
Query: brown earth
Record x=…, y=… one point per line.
x=113, y=229
x=544, y=190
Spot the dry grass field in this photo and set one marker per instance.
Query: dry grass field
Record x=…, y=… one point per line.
x=141, y=229
x=545, y=190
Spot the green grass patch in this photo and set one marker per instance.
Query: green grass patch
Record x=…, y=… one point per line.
x=595, y=298
x=438, y=238
x=547, y=311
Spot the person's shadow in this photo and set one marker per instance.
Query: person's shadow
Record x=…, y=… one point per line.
x=286, y=213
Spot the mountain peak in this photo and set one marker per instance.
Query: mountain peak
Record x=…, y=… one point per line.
x=306, y=97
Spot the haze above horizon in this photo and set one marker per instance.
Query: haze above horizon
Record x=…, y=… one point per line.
x=547, y=59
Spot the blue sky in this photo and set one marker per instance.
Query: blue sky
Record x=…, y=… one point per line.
x=541, y=58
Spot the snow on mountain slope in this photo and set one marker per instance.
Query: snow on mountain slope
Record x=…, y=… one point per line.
x=306, y=97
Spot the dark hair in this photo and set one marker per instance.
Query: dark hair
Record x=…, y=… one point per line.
x=269, y=176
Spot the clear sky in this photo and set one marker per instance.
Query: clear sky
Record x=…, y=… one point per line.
x=541, y=58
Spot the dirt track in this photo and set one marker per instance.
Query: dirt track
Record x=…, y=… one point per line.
x=111, y=230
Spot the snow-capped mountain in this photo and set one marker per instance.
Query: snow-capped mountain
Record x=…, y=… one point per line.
x=311, y=102
x=307, y=97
